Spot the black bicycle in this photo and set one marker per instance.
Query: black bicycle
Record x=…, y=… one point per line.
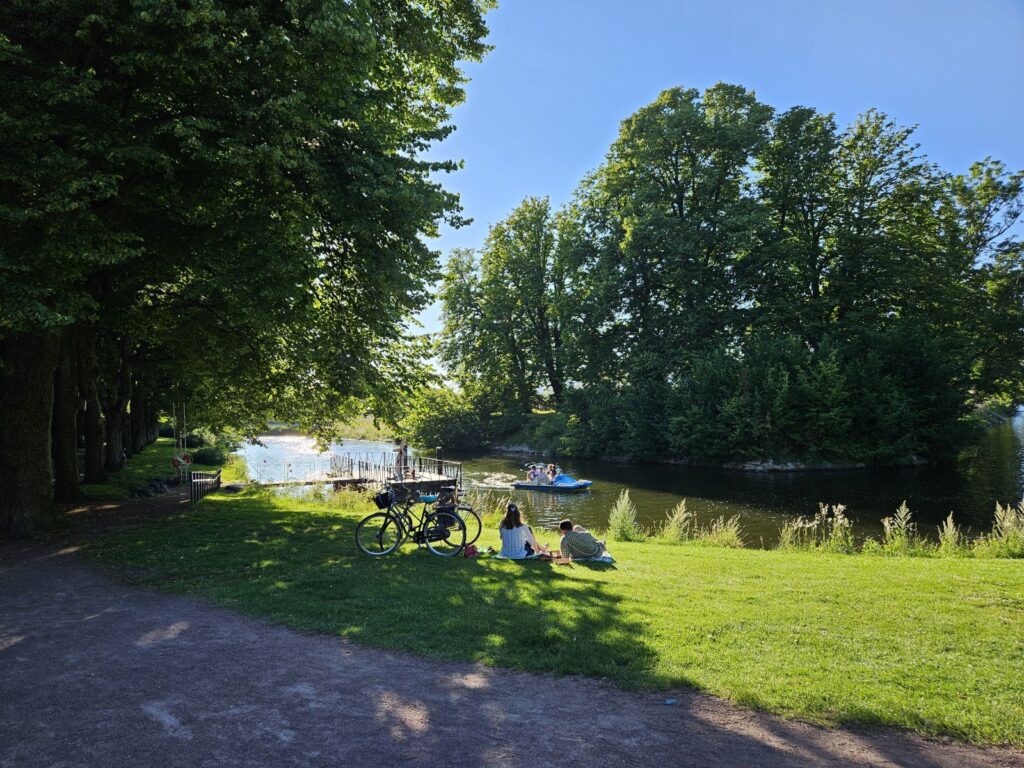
x=449, y=499
x=442, y=531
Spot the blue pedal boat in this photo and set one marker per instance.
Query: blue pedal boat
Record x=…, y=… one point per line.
x=561, y=484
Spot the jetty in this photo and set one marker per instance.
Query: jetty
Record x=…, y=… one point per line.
x=421, y=473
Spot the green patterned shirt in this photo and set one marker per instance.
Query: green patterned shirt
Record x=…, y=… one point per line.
x=579, y=545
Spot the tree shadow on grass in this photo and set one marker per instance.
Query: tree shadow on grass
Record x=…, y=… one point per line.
x=141, y=673
x=302, y=569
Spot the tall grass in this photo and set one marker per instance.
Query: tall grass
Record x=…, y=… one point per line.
x=490, y=505
x=680, y=524
x=900, y=537
x=723, y=532
x=235, y=470
x=622, y=522
x=952, y=542
x=1007, y=536
x=828, y=531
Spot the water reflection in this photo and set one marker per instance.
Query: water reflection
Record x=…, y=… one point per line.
x=296, y=457
x=992, y=471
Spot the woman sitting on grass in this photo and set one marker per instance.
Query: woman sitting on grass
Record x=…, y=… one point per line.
x=517, y=539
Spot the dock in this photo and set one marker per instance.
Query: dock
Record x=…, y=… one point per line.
x=424, y=474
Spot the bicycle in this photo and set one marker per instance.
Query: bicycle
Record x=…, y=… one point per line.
x=448, y=501
x=381, y=533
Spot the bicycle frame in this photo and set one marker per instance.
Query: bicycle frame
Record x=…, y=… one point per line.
x=413, y=525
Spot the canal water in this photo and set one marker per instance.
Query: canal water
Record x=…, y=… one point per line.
x=991, y=471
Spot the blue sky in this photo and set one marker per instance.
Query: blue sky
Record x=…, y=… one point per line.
x=545, y=104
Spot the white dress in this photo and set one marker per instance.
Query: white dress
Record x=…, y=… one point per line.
x=513, y=542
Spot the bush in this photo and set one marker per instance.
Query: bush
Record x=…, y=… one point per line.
x=212, y=454
x=1007, y=536
x=680, y=524
x=829, y=531
x=622, y=523
x=443, y=417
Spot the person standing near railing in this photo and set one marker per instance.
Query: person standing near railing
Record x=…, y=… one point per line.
x=401, y=459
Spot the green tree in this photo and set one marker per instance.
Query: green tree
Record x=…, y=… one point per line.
x=503, y=314
x=670, y=213
x=741, y=285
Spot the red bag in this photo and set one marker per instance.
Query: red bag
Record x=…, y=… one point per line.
x=470, y=551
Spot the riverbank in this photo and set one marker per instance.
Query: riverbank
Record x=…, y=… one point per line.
x=362, y=428
x=526, y=451
x=926, y=644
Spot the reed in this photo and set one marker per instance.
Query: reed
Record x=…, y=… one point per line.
x=622, y=522
x=1007, y=536
x=723, y=532
x=680, y=524
x=828, y=531
x=952, y=542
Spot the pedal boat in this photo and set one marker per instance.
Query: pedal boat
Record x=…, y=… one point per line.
x=561, y=484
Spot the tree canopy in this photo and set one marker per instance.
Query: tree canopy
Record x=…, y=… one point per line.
x=227, y=200
x=737, y=283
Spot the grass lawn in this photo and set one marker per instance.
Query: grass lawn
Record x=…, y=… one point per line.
x=153, y=461
x=935, y=645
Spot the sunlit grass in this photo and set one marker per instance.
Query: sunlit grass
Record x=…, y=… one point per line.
x=929, y=644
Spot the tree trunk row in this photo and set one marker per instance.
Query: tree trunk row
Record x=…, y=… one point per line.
x=60, y=400
x=29, y=362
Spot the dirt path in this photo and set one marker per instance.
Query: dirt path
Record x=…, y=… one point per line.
x=96, y=673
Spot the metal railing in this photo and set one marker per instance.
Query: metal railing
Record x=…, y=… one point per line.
x=202, y=483
x=384, y=469
x=424, y=465
x=342, y=465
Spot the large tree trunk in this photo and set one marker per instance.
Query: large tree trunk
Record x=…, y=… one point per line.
x=27, y=364
x=139, y=419
x=115, y=397
x=154, y=422
x=93, y=427
x=64, y=428
x=113, y=459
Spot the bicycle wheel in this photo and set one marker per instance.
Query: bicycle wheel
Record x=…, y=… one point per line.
x=378, y=534
x=444, y=534
x=472, y=521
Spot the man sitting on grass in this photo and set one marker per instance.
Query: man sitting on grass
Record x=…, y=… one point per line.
x=578, y=543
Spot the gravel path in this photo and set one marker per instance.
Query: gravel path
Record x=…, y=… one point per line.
x=96, y=673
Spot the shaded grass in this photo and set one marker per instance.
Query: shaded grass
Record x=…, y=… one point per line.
x=934, y=645
x=153, y=461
